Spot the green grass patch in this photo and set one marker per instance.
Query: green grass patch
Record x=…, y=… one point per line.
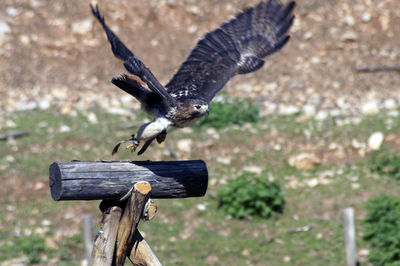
x=33, y=247
x=249, y=195
x=382, y=230
x=236, y=112
x=385, y=161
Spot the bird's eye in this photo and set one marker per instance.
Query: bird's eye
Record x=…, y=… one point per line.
x=197, y=106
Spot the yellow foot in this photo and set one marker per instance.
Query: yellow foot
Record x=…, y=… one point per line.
x=133, y=145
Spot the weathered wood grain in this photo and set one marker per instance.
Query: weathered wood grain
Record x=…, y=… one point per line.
x=104, y=244
x=80, y=180
x=141, y=253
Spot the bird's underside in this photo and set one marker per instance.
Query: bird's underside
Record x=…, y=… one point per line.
x=236, y=47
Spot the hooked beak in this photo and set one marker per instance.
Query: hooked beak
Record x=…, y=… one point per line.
x=204, y=109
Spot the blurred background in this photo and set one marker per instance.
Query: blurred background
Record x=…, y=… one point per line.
x=308, y=130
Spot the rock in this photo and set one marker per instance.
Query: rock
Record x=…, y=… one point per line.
x=60, y=93
x=39, y=185
x=119, y=111
x=366, y=17
x=4, y=28
x=253, y=169
x=363, y=252
x=185, y=145
x=288, y=109
x=315, y=60
x=82, y=27
x=272, y=86
x=268, y=108
x=187, y=130
x=194, y=9
x=46, y=222
x=307, y=36
x=309, y=110
x=375, y=140
x=212, y=132
x=349, y=36
x=349, y=20
x=201, y=207
x=322, y=115
x=304, y=161
x=224, y=160
x=64, y=128
x=44, y=104
x=24, y=39
x=384, y=20
x=356, y=144
x=390, y=104
x=36, y=3
x=192, y=29
x=286, y=259
x=245, y=252
x=9, y=159
x=92, y=118
x=370, y=108
x=10, y=123
x=393, y=113
x=11, y=208
x=12, y=11
x=313, y=182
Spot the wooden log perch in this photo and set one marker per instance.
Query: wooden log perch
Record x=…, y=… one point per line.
x=79, y=180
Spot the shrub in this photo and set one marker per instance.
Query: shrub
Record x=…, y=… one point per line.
x=384, y=161
x=230, y=113
x=382, y=230
x=251, y=196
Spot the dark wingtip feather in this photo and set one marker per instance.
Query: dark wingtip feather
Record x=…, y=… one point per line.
x=96, y=13
x=285, y=27
x=115, y=150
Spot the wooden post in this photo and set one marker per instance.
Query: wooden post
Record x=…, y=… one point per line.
x=350, y=236
x=88, y=235
x=130, y=220
x=141, y=253
x=104, y=244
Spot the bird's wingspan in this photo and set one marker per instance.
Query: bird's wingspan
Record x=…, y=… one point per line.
x=237, y=47
x=131, y=62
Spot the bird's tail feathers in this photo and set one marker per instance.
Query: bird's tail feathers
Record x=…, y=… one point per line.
x=132, y=85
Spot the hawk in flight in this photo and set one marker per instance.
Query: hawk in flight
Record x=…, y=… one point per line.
x=236, y=47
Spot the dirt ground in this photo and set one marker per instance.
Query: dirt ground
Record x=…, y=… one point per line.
x=52, y=46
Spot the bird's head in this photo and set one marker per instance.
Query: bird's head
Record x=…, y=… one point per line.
x=198, y=108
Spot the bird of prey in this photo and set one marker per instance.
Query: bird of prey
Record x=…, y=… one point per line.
x=236, y=47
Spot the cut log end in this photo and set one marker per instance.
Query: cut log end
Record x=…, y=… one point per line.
x=143, y=187
x=55, y=181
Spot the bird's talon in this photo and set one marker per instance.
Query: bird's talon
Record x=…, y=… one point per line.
x=132, y=147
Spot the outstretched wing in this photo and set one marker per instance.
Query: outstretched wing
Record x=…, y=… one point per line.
x=237, y=47
x=131, y=62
